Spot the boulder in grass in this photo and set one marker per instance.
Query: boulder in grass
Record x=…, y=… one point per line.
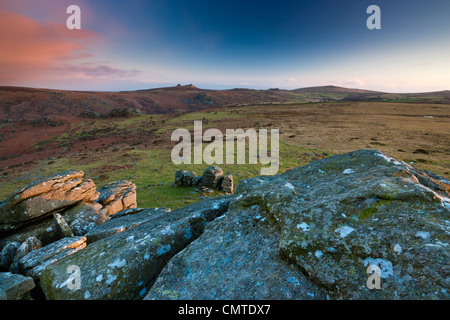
x=211, y=177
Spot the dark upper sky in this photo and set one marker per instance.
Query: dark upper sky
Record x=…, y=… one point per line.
x=225, y=44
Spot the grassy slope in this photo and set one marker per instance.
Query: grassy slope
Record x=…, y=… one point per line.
x=140, y=148
x=151, y=169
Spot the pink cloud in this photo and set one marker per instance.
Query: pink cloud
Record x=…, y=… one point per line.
x=37, y=53
x=29, y=46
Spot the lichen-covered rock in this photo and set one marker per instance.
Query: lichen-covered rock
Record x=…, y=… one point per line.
x=124, y=265
x=341, y=215
x=117, y=196
x=189, y=179
x=14, y=286
x=34, y=263
x=179, y=178
x=44, y=197
x=85, y=216
x=124, y=222
x=237, y=257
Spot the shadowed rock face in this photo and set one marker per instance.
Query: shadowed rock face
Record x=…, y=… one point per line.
x=331, y=219
x=45, y=196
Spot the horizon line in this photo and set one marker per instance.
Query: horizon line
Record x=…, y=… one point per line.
x=222, y=89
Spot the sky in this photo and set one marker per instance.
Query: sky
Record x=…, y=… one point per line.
x=137, y=44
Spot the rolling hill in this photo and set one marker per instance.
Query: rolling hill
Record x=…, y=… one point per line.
x=17, y=103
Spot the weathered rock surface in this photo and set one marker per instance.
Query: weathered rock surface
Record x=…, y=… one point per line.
x=340, y=215
x=125, y=221
x=44, y=230
x=14, y=286
x=186, y=178
x=332, y=219
x=85, y=216
x=117, y=196
x=81, y=218
x=237, y=257
x=44, y=197
x=124, y=265
x=34, y=263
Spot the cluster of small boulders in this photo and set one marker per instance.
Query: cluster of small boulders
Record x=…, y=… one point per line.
x=212, y=179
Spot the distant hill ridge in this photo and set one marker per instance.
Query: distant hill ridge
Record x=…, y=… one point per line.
x=34, y=103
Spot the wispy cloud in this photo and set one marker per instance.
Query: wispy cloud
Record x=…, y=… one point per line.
x=29, y=46
x=34, y=51
x=92, y=70
x=350, y=82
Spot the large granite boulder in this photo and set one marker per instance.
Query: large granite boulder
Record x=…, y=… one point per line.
x=345, y=222
x=342, y=215
x=44, y=197
x=117, y=196
x=124, y=265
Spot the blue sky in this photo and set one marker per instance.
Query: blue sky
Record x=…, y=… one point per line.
x=128, y=45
